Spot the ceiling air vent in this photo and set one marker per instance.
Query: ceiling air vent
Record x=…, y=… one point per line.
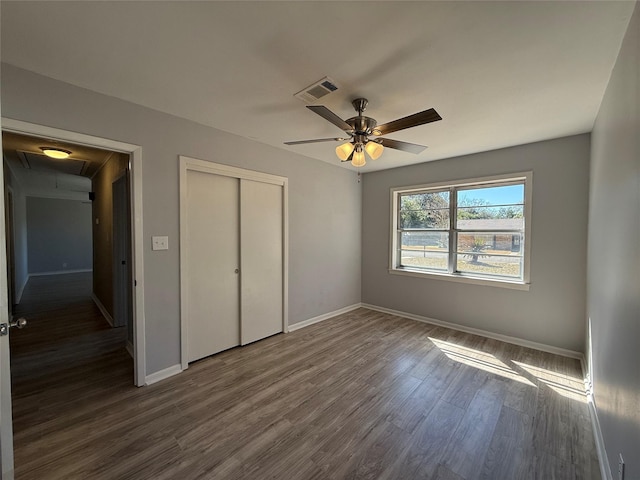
x=317, y=90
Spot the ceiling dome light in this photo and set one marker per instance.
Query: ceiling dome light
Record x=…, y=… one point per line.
x=53, y=152
x=374, y=149
x=343, y=151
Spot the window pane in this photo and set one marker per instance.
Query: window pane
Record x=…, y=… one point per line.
x=490, y=218
x=427, y=260
x=433, y=241
x=424, y=210
x=491, y=196
x=491, y=208
x=435, y=219
x=484, y=244
x=494, y=266
x=424, y=249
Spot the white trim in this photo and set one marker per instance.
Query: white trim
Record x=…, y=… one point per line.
x=193, y=164
x=585, y=373
x=162, y=374
x=50, y=133
x=603, y=460
x=465, y=182
x=228, y=171
x=135, y=167
x=285, y=255
x=6, y=424
x=324, y=316
x=528, y=226
x=129, y=348
x=59, y=272
x=460, y=279
x=102, y=309
x=477, y=331
x=139, y=329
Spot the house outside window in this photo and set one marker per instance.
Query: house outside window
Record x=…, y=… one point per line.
x=475, y=231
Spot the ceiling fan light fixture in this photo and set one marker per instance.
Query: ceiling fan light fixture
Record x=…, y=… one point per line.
x=358, y=159
x=374, y=149
x=360, y=128
x=343, y=151
x=57, y=153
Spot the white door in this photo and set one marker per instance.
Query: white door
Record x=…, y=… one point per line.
x=6, y=421
x=212, y=256
x=261, y=213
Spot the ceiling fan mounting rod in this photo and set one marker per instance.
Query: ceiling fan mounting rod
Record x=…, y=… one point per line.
x=360, y=104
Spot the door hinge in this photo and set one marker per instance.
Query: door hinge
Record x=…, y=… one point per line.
x=4, y=329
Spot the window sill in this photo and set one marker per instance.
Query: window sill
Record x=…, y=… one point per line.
x=515, y=285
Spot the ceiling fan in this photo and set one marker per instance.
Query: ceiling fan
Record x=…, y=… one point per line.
x=360, y=128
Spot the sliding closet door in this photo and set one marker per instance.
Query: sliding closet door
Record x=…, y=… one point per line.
x=212, y=251
x=261, y=213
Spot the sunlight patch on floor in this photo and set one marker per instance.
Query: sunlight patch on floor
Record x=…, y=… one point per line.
x=479, y=359
x=572, y=388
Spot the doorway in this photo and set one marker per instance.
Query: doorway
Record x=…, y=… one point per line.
x=133, y=261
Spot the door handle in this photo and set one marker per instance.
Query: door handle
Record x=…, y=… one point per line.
x=20, y=323
x=237, y=270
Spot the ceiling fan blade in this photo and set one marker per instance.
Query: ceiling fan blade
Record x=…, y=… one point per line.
x=327, y=114
x=317, y=140
x=414, y=120
x=403, y=146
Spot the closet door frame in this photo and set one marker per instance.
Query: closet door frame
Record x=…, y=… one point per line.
x=188, y=163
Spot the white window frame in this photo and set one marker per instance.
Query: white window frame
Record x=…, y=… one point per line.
x=518, y=284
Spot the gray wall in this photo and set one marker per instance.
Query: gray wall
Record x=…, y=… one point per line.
x=58, y=235
x=614, y=257
x=324, y=200
x=552, y=312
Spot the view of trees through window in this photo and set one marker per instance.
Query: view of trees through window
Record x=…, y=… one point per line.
x=475, y=230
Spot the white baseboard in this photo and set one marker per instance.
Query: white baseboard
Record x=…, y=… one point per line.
x=129, y=348
x=60, y=272
x=603, y=460
x=102, y=309
x=162, y=374
x=324, y=316
x=476, y=331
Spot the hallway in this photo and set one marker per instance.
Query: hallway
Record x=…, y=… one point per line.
x=67, y=354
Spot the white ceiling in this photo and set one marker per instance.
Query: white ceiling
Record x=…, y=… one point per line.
x=499, y=73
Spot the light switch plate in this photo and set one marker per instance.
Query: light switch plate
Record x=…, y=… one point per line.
x=159, y=243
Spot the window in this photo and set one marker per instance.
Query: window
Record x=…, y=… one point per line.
x=475, y=230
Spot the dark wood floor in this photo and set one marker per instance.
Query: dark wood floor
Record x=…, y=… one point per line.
x=363, y=395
